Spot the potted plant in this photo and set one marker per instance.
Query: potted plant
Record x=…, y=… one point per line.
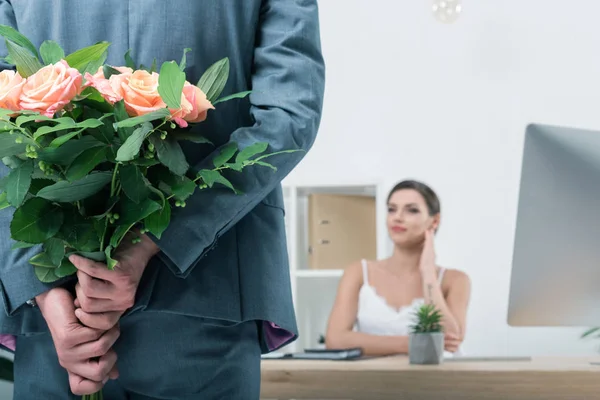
x=426, y=339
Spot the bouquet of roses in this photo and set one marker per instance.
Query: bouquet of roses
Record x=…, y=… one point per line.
x=94, y=150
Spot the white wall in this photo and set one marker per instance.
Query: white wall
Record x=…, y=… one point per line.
x=407, y=96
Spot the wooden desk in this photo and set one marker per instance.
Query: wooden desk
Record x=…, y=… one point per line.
x=394, y=378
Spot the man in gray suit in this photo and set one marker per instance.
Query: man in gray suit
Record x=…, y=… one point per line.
x=186, y=316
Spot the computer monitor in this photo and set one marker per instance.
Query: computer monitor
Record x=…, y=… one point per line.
x=555, y=279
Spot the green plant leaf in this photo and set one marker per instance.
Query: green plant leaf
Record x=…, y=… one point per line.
x=66, y=154
x=67, y=192
x=134, y=183
x=111, y=263
x=239, y=95
x=129, y=61
x=170, y=84
x=46, y=275
x=118, y=235
x=211, y=177
x=153, y=116
x=25, y=62
x=23, y=119
x=66, y=123
x=97, y=256
x=18, y=182
x=79, y=232
x=8, y=146
x=250, y=151
x=21, y=245
x=120, y=116
x=225, y=154
x=190, y=137
x=183, y=63
x=15, y=36
x=51, y=52
x=170, y=154
x=82, y=57
x=158, y=221
x=42, y=260
x=86, y=162
x=55, y=250
x=109, y=71
x=66, y=269
x=3, y=201
x=131, y=148
x=93, y=66
x=213, y=81
x=36, y=221
x=132, y=213
x=265, y=164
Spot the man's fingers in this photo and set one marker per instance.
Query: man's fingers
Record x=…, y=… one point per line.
x=96, y=370
x=103, y=321
x=93, y=287
x=90, y=267
x=98, y=348
x=92, y=304
x=114, y=373
x=81, y=386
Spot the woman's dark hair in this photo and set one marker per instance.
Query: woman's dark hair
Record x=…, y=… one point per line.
x=431, y=199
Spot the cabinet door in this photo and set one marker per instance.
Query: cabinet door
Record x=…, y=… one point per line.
x=341, y=230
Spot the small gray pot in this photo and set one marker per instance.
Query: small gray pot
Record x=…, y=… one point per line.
x=426, y=348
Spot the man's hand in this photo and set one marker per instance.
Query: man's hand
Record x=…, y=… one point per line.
x=84, y=352
x=104, y=295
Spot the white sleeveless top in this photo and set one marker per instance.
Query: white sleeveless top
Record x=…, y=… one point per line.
x=376, y=317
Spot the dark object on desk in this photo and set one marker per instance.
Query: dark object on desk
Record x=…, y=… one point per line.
x=318, y=354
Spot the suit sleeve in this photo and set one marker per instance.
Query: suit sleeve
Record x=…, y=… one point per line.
x=288, y=78
x=17, y=277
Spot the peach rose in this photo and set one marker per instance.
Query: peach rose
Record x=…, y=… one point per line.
x=109, y=88
x=51, y=88
x=200, y=104
x=11, y=86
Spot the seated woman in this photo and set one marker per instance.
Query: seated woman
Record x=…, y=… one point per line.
x=376, y=300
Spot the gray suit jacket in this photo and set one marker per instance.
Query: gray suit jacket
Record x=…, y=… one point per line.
x=224, y=255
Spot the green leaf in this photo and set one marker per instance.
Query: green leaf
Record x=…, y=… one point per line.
x=51, y=52
x=190, y=137
x=12, y=162
x=21, y=245
x=46, y=275
x=264, y=164
x=66, y=123
x=93, y=66
x=132, y=213
x=129, y=61
x=211, y=177
x=97, y=256
x=170, y=84
x=170, y=154
x=109, y=71
x=26, y=63
x=36, y=221
x=158, y=221
x=119, y=234
x=66, y=154
x=23, y=119
x=250, y=151
x=239, y=95
x=66, y=269
x=154, y=115
x=145, y=162
x=8, y=146
x=68, y=192
x=42, y=260
x=3, y=201
x=18, y=183
x=131, y=148
x=110, y=262
x=225, y=154
x=78, y=232
x=82, y=57
x=183, y=62
x=121, y=115
x=55, y=249
x=214, y=79
x=15, y=36
x=134, y=183
x=181, y=187
x=86, y=162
